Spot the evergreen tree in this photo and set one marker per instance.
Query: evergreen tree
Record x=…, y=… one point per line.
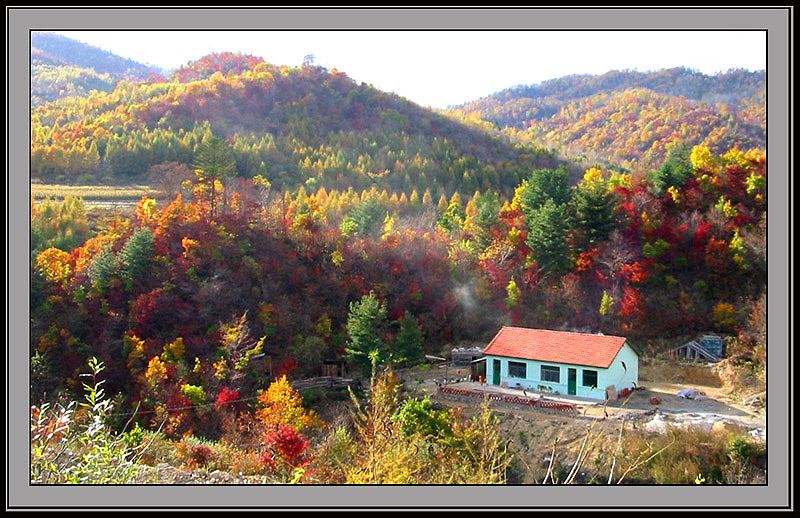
x=453, y=218
x=364, y=219
x=102, y=268
x=488, y=210
x=547, y=237
x=366, y=325
x=410, y=339
x=213, y=164
x=136, y=256
x=675, y=170
x=543, y=185
x=592, y=207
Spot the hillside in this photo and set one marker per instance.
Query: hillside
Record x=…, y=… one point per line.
x=63, y=67
x=294, y=126
x=517, y=106
x=636, y=128
x=629, y=119
x=54, y=49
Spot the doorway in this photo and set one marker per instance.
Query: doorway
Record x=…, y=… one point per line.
x=572, y=381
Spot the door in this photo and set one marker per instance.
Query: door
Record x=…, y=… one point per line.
x=495, y=372
x=572, y=381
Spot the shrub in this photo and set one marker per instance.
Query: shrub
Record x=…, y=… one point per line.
x=68, y=450
x=288, y=444
x=227, y=397
x=689, y=455
x=196, y=394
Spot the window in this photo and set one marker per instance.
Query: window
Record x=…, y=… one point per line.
x=589, y=378
x=550, y=373
x=517, y=370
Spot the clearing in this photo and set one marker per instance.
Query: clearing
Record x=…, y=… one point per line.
x=533, y=433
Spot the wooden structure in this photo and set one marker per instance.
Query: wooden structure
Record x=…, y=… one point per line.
x=263, y=363
x=707, y=348
x=325, y=382
x=333, y=368
x=462, y=356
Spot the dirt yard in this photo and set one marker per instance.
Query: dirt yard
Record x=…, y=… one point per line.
x=535, y=434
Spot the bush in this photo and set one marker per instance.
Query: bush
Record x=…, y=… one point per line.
x=69, y=450
x=692, y=456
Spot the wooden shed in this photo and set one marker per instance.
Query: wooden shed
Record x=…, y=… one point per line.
x=706, y=348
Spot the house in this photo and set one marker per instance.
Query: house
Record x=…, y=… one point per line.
x=580, y=364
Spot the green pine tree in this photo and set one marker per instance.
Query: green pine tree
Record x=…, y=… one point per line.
x=410, y=339
x=674, y=171
x=136, y=256
x=593, y=214
x=102, y=268
x=543, y=185
x=366, y=325
x=213, y=162
x=547, y=237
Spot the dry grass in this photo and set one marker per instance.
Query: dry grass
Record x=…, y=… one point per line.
x=92, y=192
x=685, y=373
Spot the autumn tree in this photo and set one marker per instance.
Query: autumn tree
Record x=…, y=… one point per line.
x=59, y=224
x=282, y=405
x=410, y=442
x=169, y=177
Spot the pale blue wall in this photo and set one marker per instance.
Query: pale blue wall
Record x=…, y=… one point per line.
x=617, y=375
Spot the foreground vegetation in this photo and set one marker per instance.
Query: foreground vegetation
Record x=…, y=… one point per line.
x=382, y=436
x=388, y=439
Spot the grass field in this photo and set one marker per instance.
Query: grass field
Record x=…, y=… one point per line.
x=92, y=192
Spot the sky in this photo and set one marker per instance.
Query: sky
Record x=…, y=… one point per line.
x=445, y=68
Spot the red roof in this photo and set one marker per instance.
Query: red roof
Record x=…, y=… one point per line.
x=556, y=346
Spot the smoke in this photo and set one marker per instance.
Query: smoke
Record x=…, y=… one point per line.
x=465, y=295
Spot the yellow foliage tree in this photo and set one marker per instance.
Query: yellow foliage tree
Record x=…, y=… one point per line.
x=702, y=159
x=386, y=456
x=424, y=446
x=54, y=264
x=156, y=372
x=281, y=404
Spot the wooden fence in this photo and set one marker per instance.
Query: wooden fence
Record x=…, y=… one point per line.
x=508, y=400
x=325, y=382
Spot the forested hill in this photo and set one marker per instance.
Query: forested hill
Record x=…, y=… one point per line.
x=518, y=105
x=629, y=119
x=62, y=67
x=54, y=49
x=294, y=126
